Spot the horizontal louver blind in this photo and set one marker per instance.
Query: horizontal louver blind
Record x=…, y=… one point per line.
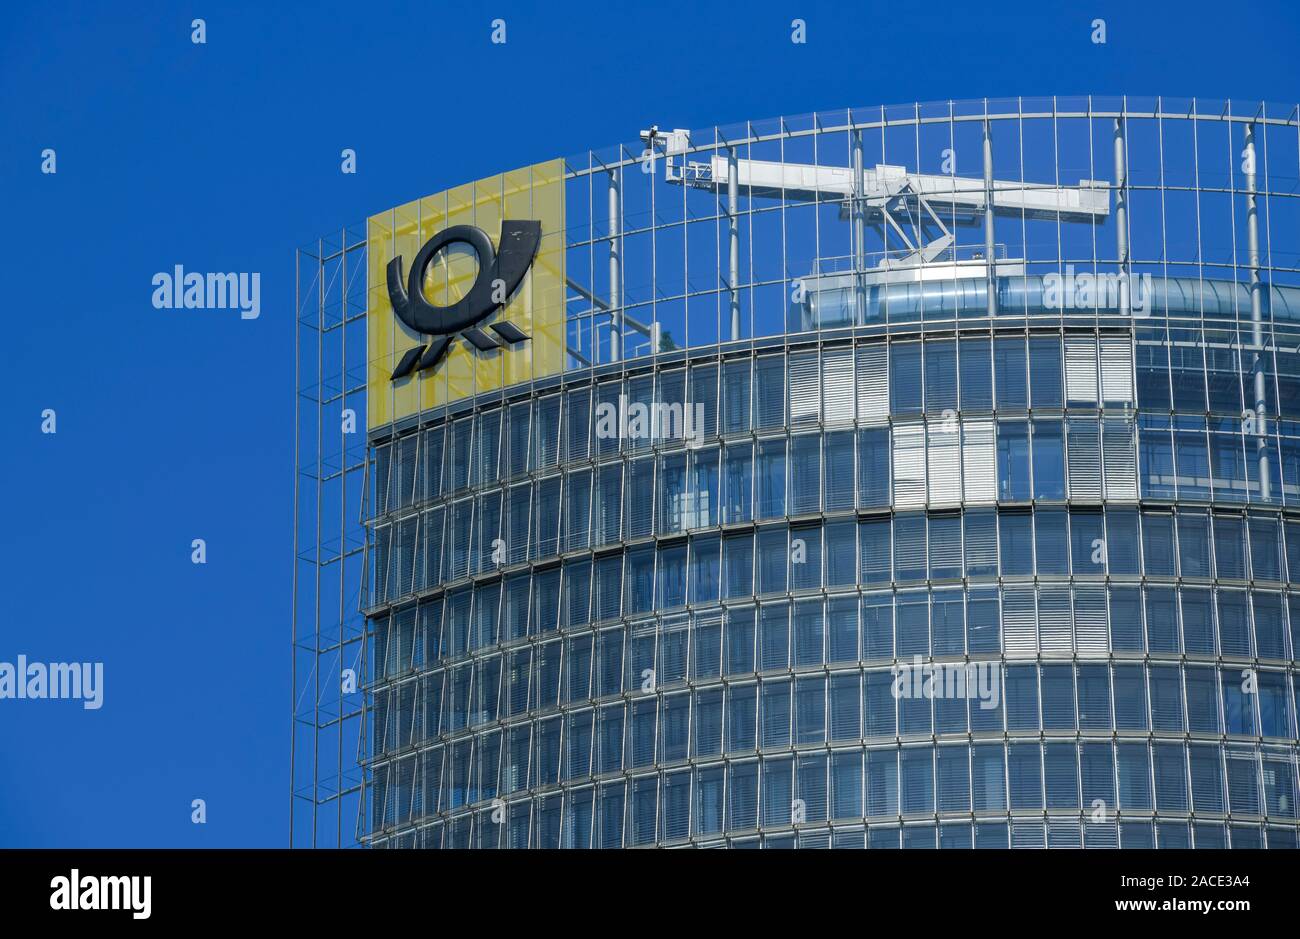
x=909, y=466
x=1116, y=369
x=1119, y=450
x=1054, y=620
x=1020, y=635
x=954, y=778
x=1027, y=834
x=873, y=383
x=704, y=392
x=840, y=486
x=846, y=707
x=640, y=497
x=577, y=425
x=708, y=722
x=431, y=460
x=1100, y=834
x=1081, y=369
x=943, y=455
x=837, y=386
x=909, y=546
x=519, y=518
x=1170, y=767
x=981, y=537
x=383, y=554
x=488, y=460
x=546, y=521
x=945, y=548
x=1090, y=634
x=1062, y=833
x=769, y=391
x=1207, y=779
x=1243, y=783
x=432, y=533
x=383, y=480
x=735, y=397
x=1279, y=790
x=488, y=529
x=461, y=444
x=404, y=489
x=805, y=388
x=462, y=518
x=577, y=513
x=979, y=463
x=1084, y=459
x=547, y=430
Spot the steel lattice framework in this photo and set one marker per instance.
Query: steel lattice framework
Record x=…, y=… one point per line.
x=328, y=713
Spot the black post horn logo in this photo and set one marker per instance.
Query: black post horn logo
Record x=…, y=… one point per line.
x=499, y=273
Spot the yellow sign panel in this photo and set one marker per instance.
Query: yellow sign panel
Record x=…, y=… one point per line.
x=536, y=308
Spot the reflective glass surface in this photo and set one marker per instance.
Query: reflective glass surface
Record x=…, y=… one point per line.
x=963, y=507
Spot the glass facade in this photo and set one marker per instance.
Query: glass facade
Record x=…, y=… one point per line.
x=1007, y=389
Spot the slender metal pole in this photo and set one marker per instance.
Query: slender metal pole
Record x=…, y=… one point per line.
x=293, y=612
x=318, y=523
x=990, y=241
x=859, y=228
x=1121, y=215
x=343, y=521
x=1256, y=318
x=615, y=262
x=733, y=239
x=1121, y=195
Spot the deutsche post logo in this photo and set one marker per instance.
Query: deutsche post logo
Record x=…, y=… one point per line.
x=499, y=274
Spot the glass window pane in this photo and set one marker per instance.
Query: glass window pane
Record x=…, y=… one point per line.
x=1049, y=459
x=1013, y=461
x=976, y=375
x=1045, y=371
x=905, y=372
x=940, y=376
x=873, y=467
x=1011, y=376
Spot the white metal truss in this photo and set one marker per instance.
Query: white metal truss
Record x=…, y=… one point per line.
x=892, y=194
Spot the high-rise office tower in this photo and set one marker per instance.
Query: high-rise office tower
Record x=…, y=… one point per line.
x=910, y=476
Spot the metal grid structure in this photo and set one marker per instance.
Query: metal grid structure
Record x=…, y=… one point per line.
x=328, y=714
x=887, y=374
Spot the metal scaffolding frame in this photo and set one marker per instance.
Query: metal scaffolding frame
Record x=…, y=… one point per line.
x=328, y=717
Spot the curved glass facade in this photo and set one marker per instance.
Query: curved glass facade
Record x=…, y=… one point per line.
x=921, y=476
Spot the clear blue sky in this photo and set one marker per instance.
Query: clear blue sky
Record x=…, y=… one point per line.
x=177, y=424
